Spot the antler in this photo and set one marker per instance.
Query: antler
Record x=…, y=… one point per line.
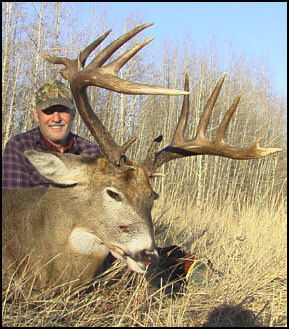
x=180, y=147
x=106, y=77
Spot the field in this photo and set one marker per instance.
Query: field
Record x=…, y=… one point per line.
x=248, y=246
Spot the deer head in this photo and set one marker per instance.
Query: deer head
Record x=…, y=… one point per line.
x=127, y=188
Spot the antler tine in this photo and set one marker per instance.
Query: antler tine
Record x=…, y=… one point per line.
x=155, y=160
x=205, y=118
x=182, y=123
x=74, y=65
x=70, y=65
x=226, y=120
x=87, y=51
x=56, y=60
x=127, y=144
x=106, y=53
x=117, y=64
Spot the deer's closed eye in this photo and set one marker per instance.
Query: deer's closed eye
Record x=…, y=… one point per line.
x=113, y=195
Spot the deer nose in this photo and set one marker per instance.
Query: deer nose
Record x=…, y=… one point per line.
x=150, y=257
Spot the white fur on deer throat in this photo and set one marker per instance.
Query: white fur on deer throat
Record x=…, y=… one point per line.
x=84, y=242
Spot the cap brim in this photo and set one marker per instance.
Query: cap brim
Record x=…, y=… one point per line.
x=43, y=105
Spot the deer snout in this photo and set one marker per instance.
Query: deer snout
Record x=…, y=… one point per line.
x=148, y=257
x=137, y=260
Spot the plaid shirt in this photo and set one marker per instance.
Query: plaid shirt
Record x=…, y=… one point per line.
x=18, y=172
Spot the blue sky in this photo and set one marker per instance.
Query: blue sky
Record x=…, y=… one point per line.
x=256, y=29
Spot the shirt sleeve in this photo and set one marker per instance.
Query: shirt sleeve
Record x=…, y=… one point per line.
x=87, y=147
x=14, y=166
x=92, y=149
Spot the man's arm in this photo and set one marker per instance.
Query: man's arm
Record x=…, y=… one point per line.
x=84, y=146
x=17, y=171
x=14, y=171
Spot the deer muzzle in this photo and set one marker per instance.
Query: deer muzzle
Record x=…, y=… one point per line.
x=137, y=261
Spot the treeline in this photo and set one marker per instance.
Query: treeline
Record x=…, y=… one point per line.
x=30, y=29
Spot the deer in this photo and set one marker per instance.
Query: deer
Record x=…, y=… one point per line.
x=100, y=204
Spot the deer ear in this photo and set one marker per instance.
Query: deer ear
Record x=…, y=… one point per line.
x=60, y=168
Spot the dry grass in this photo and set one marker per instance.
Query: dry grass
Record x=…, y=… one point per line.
x=247, y=245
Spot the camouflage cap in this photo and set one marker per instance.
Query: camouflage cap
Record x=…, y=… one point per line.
x=53, y=93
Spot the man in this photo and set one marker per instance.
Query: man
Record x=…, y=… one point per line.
x=54, y=113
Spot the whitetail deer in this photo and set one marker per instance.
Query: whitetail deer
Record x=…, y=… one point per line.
x=100, y=204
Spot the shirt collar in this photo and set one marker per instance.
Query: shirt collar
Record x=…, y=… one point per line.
x=72, y=146
x=54, y=148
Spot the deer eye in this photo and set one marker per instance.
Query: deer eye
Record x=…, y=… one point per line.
x=113, y=195
x=124, y=228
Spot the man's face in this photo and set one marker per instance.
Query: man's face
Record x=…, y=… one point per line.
x=55, y=123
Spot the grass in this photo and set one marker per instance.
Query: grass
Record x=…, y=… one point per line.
x=248, y=246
